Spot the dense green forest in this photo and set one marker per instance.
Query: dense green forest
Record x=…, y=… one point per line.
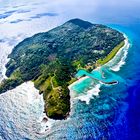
x=51, y=60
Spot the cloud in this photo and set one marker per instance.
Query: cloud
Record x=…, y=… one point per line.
x=7, y=14
x=23, y=11
x=16, y=21
x=44, y=14
x=10, y=13
x=99, y=11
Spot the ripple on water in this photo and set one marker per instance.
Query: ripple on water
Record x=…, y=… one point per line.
x=20, y=107
x=97, y=119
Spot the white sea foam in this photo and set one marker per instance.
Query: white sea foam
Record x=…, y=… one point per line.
x=4, y=51
x=46, y=126
x=21, y=106
x=115, y=64
x=85, y=95
x=119, y=60
x=89, y=95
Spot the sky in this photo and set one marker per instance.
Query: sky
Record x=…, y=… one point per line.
x=85, y=9
x=55, y=12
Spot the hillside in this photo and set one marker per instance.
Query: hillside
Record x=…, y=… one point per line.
x=51, y=59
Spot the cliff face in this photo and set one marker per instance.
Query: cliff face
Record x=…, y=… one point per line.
x=51, y=59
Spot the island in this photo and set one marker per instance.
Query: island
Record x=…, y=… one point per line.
x=51, y=60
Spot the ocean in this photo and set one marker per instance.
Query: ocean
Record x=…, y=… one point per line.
x=98, y=111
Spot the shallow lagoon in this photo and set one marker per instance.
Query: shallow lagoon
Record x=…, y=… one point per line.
x=114, y=113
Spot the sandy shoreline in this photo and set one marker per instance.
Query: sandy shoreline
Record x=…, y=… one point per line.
x=83, y=78
x=45, y=126
x=96, y=87
x=124, y=49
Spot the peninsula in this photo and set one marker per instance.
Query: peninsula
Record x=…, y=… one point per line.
x=51, y=60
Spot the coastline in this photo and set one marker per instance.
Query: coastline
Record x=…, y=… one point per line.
x=5, y=50
x=96, y=90
x=111, y=55
x=97, y=68
x=46, y=126
x=60, y=72
x=116, y=66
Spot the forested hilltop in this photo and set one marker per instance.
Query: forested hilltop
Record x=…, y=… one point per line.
x=51, y=60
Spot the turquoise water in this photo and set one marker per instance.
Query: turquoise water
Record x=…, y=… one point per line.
x=81, y=86
x=114, y=113
x=102, y=75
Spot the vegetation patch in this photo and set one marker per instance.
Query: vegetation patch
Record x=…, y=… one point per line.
x=111, y=54
x=51, y=60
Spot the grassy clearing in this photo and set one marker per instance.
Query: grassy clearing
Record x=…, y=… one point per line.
x=16, y=74
x=111, y=54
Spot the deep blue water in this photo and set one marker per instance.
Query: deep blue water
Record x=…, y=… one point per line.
x=129, y=126
x=131, y=73
x=115, y=113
